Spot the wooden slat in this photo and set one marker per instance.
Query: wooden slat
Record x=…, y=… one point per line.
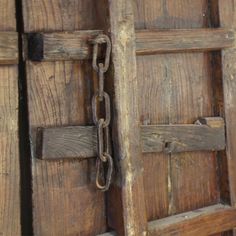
x=184, y=138
x=10, y=200
x=126, y=132
x=59, y=46
x=81, y=141
x=77, y=46
x=156, y=41
x=205, y=221
x=227, y=10
x=8, y=48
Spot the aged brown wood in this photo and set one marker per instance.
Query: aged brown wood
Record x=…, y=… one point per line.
x=184, y=138
x=9, y=152
x=205, y=221
x=59, y=46
x=8, y=48
x=81, y=141
x=126, y=135
x=164, y=41
x=227, y=14
x=76, y=45
x=65, y=199
x=176, y=88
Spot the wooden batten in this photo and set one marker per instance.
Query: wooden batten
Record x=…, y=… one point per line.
x=205, y=221
x=208, y=134
x=8, y=48
x=59, y=46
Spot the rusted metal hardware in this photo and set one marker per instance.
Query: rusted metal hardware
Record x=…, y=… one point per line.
x=101, y=98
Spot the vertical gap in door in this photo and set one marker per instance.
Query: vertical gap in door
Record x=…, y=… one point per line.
x=25, y=163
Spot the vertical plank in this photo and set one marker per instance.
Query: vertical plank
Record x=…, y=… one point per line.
x=175, y=89
x=65, y=199
x=127, y=138
x=9, y=152
x=227, y=12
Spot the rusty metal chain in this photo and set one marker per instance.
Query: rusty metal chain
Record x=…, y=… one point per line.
x=104, y=163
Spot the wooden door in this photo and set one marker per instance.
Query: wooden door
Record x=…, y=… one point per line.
x=171, y=83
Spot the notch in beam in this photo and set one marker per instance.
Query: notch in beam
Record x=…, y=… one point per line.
x=208, y=134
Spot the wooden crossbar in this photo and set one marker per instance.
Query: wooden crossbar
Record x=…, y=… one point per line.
x=8, y=48
x=208, y=134
x=76, y=45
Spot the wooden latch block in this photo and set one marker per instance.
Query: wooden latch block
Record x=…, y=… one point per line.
x=207, y=134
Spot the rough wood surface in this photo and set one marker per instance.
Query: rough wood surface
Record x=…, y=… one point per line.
x=126, y=135
x=183, y=138
x=64, y=46
x=81, y=141
x=9, y=151
x=205, y=221
x=65, y=199
x=8, y=48
x=162, y=41
x=175, y=88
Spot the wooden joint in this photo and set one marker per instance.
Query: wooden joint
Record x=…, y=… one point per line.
x=207, y=134
x=8, y=48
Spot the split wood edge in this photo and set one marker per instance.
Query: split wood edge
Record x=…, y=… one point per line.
x=76, y=45
x=207, y=134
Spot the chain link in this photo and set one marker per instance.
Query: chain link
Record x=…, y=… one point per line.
x=104, y=163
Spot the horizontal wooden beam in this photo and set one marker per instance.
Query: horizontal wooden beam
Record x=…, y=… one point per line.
x=8, y=48
x=59, y=46
x=205, y=221
x=208, y=134
x=76, y=45
x=108, y=234
x=156, y=41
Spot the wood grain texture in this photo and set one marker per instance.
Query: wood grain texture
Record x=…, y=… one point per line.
x=81, y=141
x=227, y=12
x=163, y=41
x=175, y=89
x=65, y=199
x=10, y=224
x=65, y=46
x=126, y=136
x=8, y=48
x=205, y=221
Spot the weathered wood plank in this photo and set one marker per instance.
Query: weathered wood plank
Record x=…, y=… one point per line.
x=81, y=141
x=126, y=119
x=64, y=195
x=76, y=45
x=10, y=222
x=205, y=221
x=60, y=46
x=163, y=41
x=227, y=12
x=8, y=48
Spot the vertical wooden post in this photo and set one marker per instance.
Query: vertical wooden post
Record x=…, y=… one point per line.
x=127, y=135
x=9, y=151
x=227, y=10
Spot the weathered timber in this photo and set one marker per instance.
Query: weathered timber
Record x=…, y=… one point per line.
x=8, y=48
x=76, y=45
x=65, y=199
x=163, y=41
x=81, y=141
x=59, y=46
x=227, y=17
x=10, y=201
x=126, y=132
x=108, y=234
x=206, y=135
x=205, y=221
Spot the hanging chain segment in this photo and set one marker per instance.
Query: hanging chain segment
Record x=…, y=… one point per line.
x=104, y=163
